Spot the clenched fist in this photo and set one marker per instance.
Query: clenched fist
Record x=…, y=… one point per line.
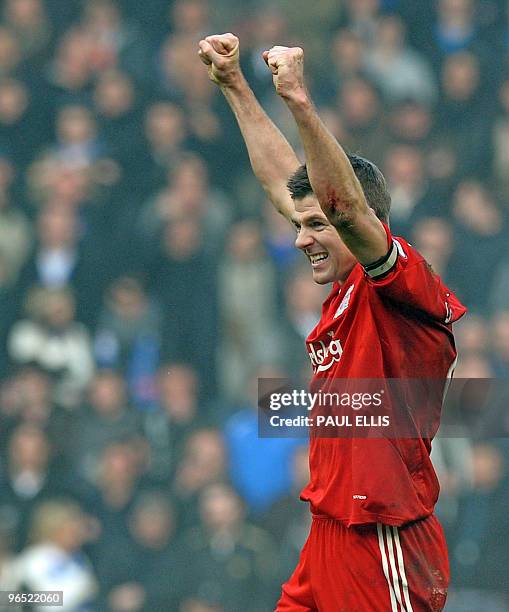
x=220, y=53
x=287, y=67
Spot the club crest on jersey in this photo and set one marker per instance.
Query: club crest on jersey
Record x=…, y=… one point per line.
x=344, y=302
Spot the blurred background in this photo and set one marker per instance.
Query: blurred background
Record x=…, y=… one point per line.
x=145, y=285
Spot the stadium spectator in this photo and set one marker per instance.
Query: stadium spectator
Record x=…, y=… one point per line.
x=362, y=18
x=35, y=405
x=77, y=142
x=24, y=127
x=477, y=527
x=433, y=237
x=500, y=343
x=69, y=73
x=411, y=122
x=279, y=241
x=203, y=462
x=116, y=42
x=456, y=28
x=28, y=20
x=473, y=335
x=107, y=418
x=128, y=338
x=182, y=255
x=110, y=501
x=259, y=468
x=59, y=259
x=15, y=230
x=28, y=477
x=348, y=55
x=10, y=53
x=453, y=460
x=474, y=365
x=287, y=520
x=176, y=416
x=246, y=296
x=360, y=107
x=165, y=134
x=499, y=137
x=55, y=560
x=460, y=120
x=188, y=192
x=481, y=222
x=407, y=182
x=116, y=101
x=147, y=553
x=190, y=18
x=224, y=535
x=51, y=338
x=302, y=307
x=398, y=70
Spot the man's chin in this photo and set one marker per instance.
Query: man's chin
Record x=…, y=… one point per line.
x=322, y=277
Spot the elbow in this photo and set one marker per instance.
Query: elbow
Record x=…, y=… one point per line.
x=342, y=219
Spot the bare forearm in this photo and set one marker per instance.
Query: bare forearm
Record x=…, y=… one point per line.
x=272, y=158
x=336, y=186
x=330, y=172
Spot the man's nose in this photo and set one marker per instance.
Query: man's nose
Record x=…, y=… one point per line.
x=304, y=239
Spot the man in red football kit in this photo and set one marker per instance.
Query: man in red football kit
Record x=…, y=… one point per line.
x=374, y=544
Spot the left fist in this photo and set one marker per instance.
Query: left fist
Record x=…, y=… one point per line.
x=287, y=67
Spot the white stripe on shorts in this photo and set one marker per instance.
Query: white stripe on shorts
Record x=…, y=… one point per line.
x=399, y=583
x=401, y=565
x=395, y=575
x=379, y=527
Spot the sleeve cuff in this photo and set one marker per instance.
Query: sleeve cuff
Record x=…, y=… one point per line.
x=383, y=265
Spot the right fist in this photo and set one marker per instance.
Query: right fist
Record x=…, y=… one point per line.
x=220, y=53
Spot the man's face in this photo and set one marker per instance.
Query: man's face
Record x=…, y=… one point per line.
x=329, y=257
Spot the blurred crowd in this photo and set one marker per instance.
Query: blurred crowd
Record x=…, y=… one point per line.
x=145, y=285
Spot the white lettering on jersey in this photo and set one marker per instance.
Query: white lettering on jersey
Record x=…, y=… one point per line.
x=323, y=356
x=344, y=302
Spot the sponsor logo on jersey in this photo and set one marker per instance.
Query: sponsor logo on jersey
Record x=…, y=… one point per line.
x=344, y=302
x=324, y=356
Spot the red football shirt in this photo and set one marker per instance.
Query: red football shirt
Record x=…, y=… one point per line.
x=391, y=321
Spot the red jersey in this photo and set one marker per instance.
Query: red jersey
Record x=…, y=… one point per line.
x=391, y=320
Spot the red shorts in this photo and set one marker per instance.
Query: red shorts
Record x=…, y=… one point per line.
x=369, y=568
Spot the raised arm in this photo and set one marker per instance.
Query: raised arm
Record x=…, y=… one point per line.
x=272, y=158
x=330, y=173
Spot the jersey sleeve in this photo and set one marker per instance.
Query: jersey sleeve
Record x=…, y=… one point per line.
x=405, y=277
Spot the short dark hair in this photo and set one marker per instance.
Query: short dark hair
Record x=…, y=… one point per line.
x=371, y=179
